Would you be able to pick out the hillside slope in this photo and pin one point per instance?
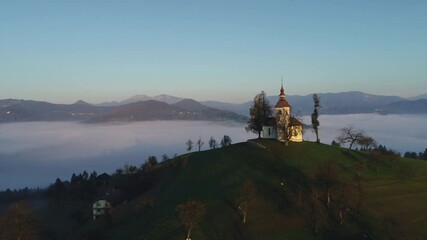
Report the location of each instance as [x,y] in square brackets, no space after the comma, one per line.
[283,207]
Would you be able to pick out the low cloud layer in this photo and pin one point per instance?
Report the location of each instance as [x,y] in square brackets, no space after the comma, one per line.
[35,154]
[399,132]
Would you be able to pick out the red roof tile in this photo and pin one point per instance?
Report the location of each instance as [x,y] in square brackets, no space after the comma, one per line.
[282,103]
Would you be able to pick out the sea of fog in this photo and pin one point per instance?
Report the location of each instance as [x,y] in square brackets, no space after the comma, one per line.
[35,154]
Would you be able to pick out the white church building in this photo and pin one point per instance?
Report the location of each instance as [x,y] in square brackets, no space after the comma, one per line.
[275,127]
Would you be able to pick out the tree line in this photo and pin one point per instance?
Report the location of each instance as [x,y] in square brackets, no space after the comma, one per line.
[225,141]
[414,155]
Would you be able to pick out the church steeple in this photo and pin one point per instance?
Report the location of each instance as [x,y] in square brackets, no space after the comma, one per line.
[282,92]
[282,103]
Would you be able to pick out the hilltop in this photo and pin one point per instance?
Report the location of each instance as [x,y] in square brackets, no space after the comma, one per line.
[288,202]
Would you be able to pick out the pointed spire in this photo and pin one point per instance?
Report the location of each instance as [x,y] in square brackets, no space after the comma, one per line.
[282,91]
[282,103]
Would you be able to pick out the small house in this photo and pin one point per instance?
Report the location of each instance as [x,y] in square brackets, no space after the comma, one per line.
[100,208]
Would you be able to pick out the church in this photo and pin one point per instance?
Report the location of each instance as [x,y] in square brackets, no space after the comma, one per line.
[283,127]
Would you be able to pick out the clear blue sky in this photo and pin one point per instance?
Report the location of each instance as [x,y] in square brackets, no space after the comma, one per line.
[62,51]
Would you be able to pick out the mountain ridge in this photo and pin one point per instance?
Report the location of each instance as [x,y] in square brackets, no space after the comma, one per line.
[352,102]
[142,97]
[348,102]
[12,110]
[331,103]
[421,96]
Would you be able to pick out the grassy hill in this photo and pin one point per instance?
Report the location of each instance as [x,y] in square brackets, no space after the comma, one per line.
[394,196]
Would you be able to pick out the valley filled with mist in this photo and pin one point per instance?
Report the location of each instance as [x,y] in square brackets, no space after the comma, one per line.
[34,154]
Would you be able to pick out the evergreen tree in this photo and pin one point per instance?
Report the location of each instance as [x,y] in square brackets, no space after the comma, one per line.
[423,155]
[226,141]
[410,155]
[315,116]
[212,143]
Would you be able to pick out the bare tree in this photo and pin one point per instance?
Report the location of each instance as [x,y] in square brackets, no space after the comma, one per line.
[259,112]
[341,203]
[366,142]
[284,127]
[200,143]
[189,144]
[315,116]
[212,143]
[190,213]
[327,178]
[315,208]
[247,193]
[350,135]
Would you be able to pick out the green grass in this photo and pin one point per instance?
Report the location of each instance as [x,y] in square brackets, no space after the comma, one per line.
[214,177]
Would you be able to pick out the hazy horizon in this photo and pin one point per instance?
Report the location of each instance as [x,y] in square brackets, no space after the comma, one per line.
[186,97]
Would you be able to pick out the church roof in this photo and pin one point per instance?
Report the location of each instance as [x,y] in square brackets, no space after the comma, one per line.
[295,122]
[282,103]
[271,121]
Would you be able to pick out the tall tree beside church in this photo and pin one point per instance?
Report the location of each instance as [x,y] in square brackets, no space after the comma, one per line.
[284,127]
[315,116]
[259,112]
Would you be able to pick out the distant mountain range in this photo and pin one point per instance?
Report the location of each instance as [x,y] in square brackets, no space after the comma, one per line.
[406,107]
[338,103]
[422,96]
[165,107]
[12,110]
[138,98]
[332,103]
